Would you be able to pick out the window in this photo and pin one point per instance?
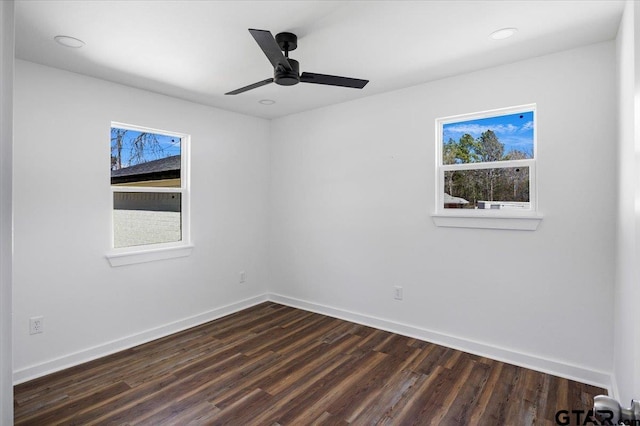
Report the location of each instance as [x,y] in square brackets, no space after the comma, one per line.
[149,177]
[486,165]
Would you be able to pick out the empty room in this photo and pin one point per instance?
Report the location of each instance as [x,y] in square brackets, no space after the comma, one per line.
[320,212]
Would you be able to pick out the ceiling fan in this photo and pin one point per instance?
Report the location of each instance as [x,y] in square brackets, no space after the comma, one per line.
[286,71]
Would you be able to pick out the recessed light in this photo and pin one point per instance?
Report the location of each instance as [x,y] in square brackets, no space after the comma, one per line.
[266,101]
[503,33]
[69,41]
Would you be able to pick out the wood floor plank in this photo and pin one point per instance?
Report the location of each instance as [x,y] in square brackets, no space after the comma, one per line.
[245,409]
[228,386]
[329,392]
[276,365]
[303,382]
[120,402]
[198,414]
[353,400]
[487,391]
[67,410]
[305,366]
[434,404]
[167,396]
[460,409]
[409,408]
[386,402]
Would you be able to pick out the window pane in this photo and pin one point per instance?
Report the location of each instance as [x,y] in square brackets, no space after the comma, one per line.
[498,188]
[505,137]
[144,159]
[146,218]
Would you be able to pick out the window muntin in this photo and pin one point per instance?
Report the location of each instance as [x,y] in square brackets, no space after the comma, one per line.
[486,162]
[149,186]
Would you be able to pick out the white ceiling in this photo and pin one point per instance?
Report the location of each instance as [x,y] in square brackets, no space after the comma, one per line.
[199,50]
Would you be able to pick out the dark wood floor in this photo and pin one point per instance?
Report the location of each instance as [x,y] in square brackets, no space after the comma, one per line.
[273,364]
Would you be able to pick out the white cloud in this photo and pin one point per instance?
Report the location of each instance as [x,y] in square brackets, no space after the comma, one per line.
[475,129]
[527,126]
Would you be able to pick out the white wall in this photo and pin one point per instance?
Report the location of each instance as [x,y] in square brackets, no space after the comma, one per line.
[341,199]
[352,189]
[62,206]
[627,293]
[6,138]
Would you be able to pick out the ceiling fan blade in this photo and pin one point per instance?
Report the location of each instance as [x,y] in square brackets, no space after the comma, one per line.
[332,80]
[270,48]
[251,86]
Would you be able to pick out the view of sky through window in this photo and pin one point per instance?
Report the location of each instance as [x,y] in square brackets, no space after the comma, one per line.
[513,131]
[131,147]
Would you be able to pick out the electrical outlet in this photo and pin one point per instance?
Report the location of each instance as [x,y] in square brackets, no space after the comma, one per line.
[243,276]
[397,292]
[36,325]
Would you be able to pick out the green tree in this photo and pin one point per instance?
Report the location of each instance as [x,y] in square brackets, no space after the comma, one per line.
[449,152]
[449,156]
[516,154]
[489,147]
[467,149]
[461,152]
[516,178]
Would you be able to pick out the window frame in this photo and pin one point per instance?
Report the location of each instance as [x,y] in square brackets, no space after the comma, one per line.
[156,251]
[521,219]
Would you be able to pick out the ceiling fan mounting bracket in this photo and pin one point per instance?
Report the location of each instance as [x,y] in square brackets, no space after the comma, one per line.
[287,41]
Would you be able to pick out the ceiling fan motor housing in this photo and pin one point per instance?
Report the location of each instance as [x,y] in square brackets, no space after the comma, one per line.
[286,77]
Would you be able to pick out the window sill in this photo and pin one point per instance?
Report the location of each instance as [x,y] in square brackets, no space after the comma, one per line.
[515,222]
[148,255]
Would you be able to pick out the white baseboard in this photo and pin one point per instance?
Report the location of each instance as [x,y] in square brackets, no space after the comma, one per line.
[533,362]
[114,346]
